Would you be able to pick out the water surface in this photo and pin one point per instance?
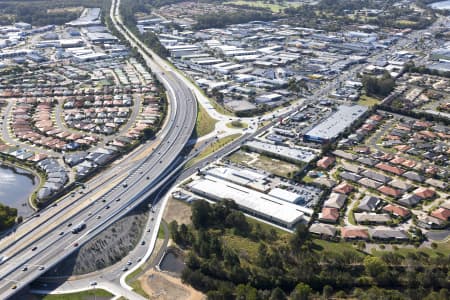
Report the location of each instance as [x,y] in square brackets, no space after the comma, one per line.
[16,186]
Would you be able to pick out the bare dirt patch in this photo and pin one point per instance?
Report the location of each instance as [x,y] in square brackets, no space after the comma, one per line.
[177,211]
[161,286]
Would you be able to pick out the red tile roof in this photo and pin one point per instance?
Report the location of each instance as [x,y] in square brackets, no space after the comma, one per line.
[351,232]
[330,214]
[397,210]
[389,191]
[424,193]
[325,162]
[343,188]
[441,213]
[389,168]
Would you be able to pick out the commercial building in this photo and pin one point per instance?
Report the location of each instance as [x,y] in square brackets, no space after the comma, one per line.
[250,201]
[335,124]
[282,152]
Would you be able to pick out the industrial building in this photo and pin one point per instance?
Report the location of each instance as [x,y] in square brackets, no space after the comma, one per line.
[250,201]
[282,152]
[335,124]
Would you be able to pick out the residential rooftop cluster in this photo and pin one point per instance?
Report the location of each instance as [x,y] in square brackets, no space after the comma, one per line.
[72,98]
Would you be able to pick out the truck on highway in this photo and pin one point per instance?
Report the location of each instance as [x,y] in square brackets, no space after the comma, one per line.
[2,259]
[79,228]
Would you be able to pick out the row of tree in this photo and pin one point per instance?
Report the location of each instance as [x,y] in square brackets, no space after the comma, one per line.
[8,216]
[294,265]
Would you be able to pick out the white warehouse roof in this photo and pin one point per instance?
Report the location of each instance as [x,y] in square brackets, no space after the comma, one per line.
[251,201]
[284,195]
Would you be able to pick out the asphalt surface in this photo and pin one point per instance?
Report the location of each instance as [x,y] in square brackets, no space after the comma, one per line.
[36,254]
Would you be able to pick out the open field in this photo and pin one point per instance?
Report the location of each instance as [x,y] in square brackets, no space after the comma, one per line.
[367,101]
[177,211]
[266,163]
[162,286]
[276,8]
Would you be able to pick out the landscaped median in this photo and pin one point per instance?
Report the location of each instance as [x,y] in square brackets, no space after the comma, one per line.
[85,295]
[236,124]
[211,148]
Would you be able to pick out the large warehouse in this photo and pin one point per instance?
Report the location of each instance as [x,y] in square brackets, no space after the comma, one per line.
[250,201]
[335,124]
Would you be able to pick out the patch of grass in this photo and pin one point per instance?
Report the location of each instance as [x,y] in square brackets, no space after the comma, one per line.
[367,101]
[242,245]
[239,157]
[274,7]
[276,166]
[213,147]
[237,124]
[204,124]
[132,277]
[160,232]
[282,234]
[406,23]
[337,247]
[79,296]
[136,285]
[307,179]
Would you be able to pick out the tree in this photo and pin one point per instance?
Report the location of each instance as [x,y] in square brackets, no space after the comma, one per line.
[148,133]
[277,294]
[201,212]
[374,266]
[301,234]
[246,292]
[301,292]
[237,220]
[7,216]
[378,86]
[327,291]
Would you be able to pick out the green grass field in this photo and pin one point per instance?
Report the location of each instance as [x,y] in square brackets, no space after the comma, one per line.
[274,7]
[86,295]
[205,124]
[367,101]
[212,148]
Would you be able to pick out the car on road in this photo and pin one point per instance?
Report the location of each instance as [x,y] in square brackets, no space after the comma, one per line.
[107,206]
[93,283]
[99,217]
[125,184]
[14,287]
[41,268]
[75,245]
[143,243]
[24,269]
[61,233]
[34,248]
[69,224]
[125,269]
[129,263]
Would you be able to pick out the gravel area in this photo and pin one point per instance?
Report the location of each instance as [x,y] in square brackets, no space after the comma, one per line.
[105,249]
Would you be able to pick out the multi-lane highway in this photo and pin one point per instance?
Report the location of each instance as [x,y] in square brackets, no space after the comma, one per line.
[28,256]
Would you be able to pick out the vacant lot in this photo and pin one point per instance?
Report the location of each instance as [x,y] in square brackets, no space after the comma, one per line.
[266,163]
[177,211]
[164,287]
